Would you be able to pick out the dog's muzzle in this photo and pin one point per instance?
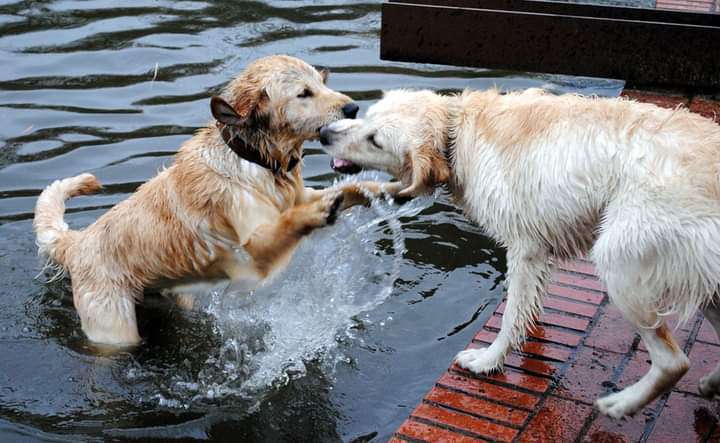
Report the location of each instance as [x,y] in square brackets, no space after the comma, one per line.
[344,166]
[325,134]
[337,164]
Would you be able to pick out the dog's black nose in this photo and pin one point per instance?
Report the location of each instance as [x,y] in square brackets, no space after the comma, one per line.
[325,136]
[350,110]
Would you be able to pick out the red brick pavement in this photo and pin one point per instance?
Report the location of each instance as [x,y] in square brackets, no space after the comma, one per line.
[704,105]
[581,349]
[687,5]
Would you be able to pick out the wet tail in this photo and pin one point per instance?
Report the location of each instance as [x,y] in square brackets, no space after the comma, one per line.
[50,228]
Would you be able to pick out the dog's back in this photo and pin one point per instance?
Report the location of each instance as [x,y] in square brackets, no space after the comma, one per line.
[639,182]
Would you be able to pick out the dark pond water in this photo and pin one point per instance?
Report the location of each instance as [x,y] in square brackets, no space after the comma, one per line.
[114,88]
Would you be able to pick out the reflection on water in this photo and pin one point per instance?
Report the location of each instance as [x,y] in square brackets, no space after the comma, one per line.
[114,89]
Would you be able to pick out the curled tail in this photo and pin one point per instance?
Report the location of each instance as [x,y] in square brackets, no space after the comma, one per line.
[50,228]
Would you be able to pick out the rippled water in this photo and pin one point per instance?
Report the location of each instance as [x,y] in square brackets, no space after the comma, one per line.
[340,346]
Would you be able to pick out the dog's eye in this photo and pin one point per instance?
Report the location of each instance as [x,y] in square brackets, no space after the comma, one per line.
[371,139]
[306,93]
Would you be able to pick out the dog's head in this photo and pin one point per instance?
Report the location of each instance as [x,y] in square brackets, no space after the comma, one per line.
[404,134]
[282,97]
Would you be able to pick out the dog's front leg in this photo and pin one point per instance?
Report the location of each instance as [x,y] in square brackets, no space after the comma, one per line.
[528,271]
[356,193]
[361,193]
[271,245]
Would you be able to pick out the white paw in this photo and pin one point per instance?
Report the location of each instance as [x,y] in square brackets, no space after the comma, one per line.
[707,388]
[479,361]
[619,404]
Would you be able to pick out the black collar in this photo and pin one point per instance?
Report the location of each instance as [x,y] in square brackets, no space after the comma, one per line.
[249,153]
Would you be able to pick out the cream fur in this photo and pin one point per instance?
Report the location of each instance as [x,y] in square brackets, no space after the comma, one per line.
[633,186]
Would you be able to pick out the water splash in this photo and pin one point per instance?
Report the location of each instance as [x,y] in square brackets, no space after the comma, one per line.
[268,334]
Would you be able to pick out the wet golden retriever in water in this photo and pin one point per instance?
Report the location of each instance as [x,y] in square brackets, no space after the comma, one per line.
[232,205]
[634,186]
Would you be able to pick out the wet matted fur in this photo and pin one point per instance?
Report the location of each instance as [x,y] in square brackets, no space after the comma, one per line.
[633,186]
[211,215]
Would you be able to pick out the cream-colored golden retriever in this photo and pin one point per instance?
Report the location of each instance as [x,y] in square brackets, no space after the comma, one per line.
[232,205]
[633,186]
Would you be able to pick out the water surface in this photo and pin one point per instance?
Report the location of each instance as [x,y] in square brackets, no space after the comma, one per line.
[340,347]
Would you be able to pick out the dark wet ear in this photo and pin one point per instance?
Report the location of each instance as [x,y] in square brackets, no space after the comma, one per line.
[248,102]
[425,168]
[224,113]
[325,74]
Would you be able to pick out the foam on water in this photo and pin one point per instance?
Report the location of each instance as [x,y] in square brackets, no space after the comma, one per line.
[268,334]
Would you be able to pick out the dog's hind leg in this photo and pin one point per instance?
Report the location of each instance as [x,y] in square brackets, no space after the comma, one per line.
[528,271]
[669,363]
[638,256]
[107,317]
[709,385]
[182,299]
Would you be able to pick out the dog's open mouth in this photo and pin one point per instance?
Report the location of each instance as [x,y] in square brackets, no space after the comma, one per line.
[344,166]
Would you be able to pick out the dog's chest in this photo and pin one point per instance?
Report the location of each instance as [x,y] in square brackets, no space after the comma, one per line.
[482,187]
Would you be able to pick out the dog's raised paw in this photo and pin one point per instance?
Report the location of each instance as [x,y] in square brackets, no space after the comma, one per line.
[479,361]
[322,212]
[332,212]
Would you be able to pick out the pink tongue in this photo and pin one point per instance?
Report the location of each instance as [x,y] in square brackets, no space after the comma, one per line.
[340,163]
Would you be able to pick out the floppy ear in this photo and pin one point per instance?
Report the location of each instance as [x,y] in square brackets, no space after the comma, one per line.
[324,73]
[246,104]
[428,168]
[224,113]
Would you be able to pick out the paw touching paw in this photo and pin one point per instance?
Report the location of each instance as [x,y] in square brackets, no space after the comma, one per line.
[324,211]
[333,209]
